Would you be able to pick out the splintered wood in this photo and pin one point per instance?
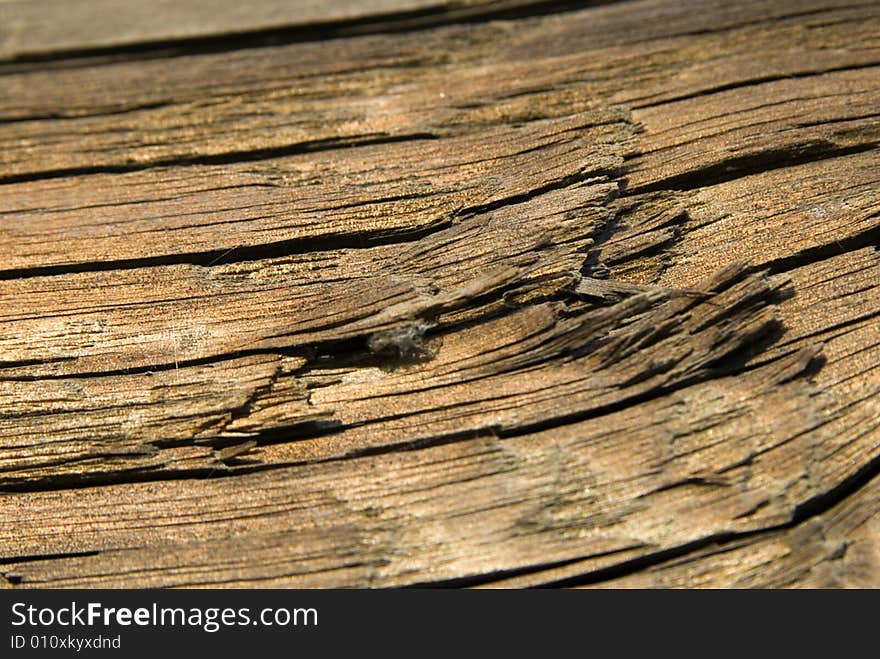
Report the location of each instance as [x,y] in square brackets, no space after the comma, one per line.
[495,294]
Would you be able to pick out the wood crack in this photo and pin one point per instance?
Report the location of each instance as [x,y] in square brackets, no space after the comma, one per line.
[287,310]
[249,155]
[766,161]
[741,84]
[390,23]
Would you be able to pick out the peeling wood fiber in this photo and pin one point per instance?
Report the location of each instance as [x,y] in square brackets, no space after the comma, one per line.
[498,294]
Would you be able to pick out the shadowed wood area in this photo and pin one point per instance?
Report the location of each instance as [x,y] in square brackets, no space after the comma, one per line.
[417,292]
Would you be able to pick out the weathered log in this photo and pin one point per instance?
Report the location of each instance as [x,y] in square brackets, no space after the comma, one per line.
[500,294]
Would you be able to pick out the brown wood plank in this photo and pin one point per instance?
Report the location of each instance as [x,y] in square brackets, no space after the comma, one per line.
[835,550]
[132,114]
[733,454]
[355,197]
[492,294]
[30,29]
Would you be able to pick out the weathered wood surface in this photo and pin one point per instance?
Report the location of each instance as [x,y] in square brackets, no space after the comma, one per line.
[515,294]
[30,29]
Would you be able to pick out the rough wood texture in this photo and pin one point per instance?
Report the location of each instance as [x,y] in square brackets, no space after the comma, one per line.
[30,29]
[481,293]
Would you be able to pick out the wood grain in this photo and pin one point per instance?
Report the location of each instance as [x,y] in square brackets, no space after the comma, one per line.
[30,30]
[495,294]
